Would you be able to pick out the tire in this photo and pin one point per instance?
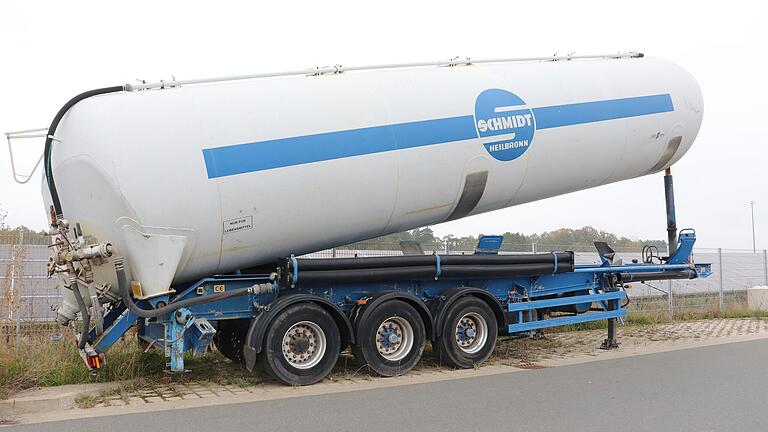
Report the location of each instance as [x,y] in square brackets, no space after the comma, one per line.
[454,347]
[395,356]
[230,338]
[301,345]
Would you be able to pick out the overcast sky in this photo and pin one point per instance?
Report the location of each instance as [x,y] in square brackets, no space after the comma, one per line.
[50,51]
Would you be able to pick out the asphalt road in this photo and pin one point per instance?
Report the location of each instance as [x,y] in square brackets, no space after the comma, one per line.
[716,388]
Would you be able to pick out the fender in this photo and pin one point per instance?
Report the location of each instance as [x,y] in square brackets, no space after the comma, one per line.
[260,323]
[361,313]
[452,295]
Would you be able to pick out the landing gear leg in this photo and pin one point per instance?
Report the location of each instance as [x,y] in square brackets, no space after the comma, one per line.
[611,342]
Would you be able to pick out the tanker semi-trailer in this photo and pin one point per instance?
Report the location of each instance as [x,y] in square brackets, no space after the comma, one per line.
[163,196]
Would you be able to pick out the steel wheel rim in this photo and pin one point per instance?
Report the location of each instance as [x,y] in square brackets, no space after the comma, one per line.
[394,350]
[304,345]
[471,332]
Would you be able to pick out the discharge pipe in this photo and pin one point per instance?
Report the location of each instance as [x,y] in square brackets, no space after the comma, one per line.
[669,195]
[657,276]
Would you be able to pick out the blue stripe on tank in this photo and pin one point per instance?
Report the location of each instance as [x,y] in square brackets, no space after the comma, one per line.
[284,152]
[590,112]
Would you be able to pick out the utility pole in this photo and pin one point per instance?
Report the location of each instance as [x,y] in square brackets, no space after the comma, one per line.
[752,206]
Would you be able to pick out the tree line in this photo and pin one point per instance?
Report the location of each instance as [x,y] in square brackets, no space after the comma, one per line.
[10,234]
[581,239]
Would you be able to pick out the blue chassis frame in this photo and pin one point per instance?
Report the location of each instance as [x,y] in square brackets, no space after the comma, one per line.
[527,298]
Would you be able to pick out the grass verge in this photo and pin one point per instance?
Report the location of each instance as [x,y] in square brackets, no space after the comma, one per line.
[39,362]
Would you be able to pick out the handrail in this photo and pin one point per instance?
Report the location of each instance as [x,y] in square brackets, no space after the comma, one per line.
[339,69]
[24,134]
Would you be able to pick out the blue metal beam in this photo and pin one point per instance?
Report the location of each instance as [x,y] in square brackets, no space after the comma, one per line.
[566,320]
[564,301]
[111,335]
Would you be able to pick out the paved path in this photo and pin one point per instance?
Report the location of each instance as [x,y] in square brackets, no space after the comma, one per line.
[714,388]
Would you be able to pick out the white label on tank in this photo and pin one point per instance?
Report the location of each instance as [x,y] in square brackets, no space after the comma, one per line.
[239,224]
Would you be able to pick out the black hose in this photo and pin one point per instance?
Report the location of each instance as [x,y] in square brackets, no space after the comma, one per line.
[125,292]
[84,312]
[499,271]
[365,275]
[52,131]
[424,273]
[563,259]
[312,264]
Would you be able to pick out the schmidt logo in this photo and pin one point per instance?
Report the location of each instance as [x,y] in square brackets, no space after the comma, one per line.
[504,118]
[503,123]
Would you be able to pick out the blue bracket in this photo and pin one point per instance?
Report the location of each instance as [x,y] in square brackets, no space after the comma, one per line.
[703,270]
[554,254]
[184,332]
[198,336]
[116,330]
[295,264]
[179,322]
[685,241]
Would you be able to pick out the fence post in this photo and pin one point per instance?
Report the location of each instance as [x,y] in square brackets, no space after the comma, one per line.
[533,247]
[19,274]
[447,248]
[765,266]
[18,331]
[720,273]
[670,306]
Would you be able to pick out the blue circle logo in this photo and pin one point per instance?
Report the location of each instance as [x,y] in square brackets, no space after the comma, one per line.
[509,125]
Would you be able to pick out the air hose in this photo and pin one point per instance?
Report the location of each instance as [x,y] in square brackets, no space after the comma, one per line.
[83,311]
[125,292]
[52,131]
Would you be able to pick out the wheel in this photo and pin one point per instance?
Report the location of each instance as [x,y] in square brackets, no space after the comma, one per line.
[301,345]
[468,334]
[230,338]
[391,340]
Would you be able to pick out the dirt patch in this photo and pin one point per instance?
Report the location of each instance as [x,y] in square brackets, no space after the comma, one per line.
[532,366]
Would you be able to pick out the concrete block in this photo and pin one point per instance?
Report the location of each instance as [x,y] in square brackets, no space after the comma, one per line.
[757,298]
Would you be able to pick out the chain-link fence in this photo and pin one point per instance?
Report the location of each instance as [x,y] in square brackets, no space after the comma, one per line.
[27,295]
[733,271]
